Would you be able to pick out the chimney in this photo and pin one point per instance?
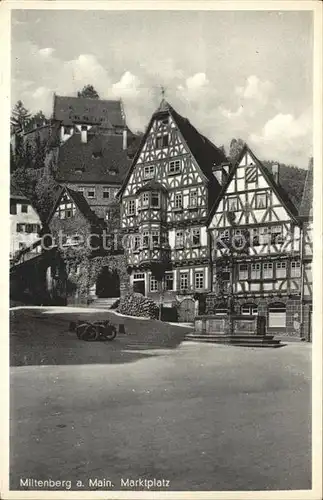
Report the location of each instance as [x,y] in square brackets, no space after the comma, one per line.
[275,172]
[124,137]
[84,134]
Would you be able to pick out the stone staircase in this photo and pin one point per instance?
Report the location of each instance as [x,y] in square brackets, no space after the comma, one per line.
[236,340]
[103,303]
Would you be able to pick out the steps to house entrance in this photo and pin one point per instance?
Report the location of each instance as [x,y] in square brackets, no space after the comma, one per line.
[103,303]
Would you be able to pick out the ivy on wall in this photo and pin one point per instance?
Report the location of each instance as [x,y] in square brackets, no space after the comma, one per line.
[83,269]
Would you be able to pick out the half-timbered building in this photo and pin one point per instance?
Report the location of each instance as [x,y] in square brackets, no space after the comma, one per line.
[165,201]
[256,247]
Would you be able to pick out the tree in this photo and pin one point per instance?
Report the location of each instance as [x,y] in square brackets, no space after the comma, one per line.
[20,117]
[236,147]
[37,120]
[88,91]
[46,192]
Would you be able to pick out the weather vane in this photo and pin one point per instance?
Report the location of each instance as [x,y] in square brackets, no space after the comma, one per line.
[163,91]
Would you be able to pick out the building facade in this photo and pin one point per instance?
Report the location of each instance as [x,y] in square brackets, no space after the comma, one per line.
[25,223]
[92,149]
[257,248]
[165,201]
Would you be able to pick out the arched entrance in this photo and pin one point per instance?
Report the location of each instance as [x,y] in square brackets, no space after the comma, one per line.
[108,283]
[186,311]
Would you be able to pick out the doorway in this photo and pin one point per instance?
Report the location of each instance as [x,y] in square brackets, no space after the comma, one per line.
[108,283]
[139,283]
[186,312]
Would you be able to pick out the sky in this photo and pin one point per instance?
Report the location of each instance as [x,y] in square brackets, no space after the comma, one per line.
[242,74]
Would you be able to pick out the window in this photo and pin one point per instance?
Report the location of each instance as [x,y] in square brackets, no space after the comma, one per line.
[145,239]
[24,209]
[255,271]
[277,315]
[249,309]
[261,200]
[264,236]
[20,228]
[174,167]
[267,269]
[155,238]
[221,309]
[22,246]
[131,207]
[106,193]
[199,280]
[145,199]
[138,276]
[193,198]
[13,209]
[295,269]
[163,121]
[178,200]
[280,269]
[232,203]
[161,141]
[91,192]
[276,235]
[243,271]
[81,189]
[196,236]
[107,214]
[169,281]
[179,239]
[183,282]
[255,236]
[153,284]
[155,199]
[136,242]
[149,171]
[225,273]
[67,130]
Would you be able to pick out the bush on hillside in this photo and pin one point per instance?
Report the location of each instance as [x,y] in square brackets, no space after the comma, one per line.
[135,304]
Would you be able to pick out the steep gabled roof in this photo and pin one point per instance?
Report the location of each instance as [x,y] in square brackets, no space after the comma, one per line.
[100,159]
[106,113]
[280,192]
[80,203]
[307,197]
[204,151]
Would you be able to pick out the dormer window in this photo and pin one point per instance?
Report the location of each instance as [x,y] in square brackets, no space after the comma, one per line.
[162,141]
[67,130]
[97,154]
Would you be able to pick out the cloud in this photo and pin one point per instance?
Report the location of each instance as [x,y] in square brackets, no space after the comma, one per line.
[47,52]
[255,90]
[286,136]
[197,81]
[127,87]
[231,114]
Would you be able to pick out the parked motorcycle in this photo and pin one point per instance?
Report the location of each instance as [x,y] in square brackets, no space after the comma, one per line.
[96,331]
